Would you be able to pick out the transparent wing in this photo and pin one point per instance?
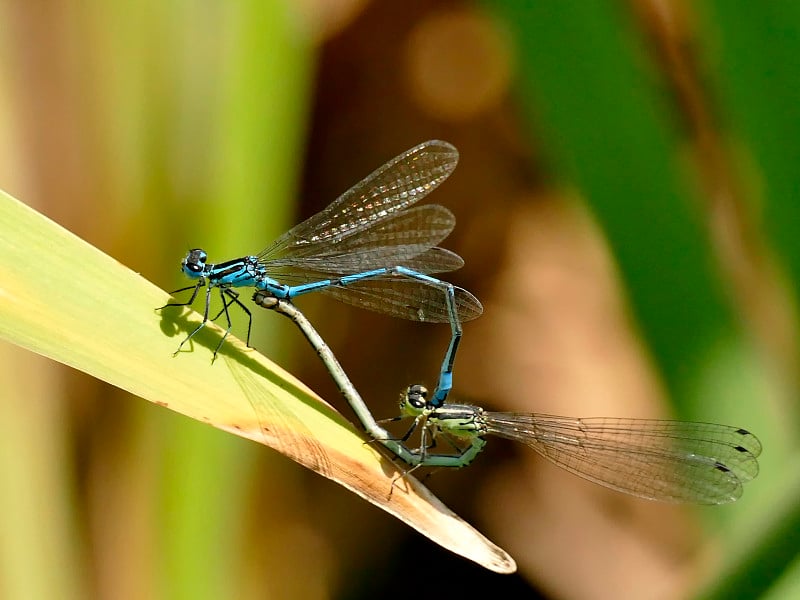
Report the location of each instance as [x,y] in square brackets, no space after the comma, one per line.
[393,187]
[406,299]
[672,461]
[395,241]
[434,260]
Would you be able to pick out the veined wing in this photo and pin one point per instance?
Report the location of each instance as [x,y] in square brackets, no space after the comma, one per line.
[407,299]
[672,461]
[401,182]
[434,260]
[395,241]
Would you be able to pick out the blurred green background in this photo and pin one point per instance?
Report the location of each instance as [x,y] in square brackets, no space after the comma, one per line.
[627,201]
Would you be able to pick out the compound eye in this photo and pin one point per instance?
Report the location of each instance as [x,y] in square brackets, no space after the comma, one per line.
[417,395]
[195,261]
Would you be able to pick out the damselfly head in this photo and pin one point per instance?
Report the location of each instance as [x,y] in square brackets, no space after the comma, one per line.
[195,262]
[415,397]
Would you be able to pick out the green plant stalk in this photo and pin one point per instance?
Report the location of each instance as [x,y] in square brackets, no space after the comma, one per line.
[252,124]
[64,299]
[607,131]
[41,551]
[756,54]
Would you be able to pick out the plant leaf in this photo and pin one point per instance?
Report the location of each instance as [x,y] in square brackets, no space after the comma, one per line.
[64,299]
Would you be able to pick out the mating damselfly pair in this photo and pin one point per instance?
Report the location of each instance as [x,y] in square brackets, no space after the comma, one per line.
[372,248]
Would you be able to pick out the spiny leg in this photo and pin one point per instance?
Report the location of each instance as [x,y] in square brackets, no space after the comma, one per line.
[195,289]
[203,324]
[225,305]
[423,450]
[232,298]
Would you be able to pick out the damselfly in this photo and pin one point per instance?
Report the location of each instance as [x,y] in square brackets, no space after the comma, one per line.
[670,461]
[369,248]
